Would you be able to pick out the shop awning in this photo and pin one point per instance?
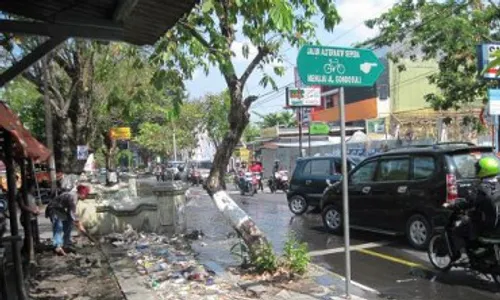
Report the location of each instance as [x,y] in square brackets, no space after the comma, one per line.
[25,146]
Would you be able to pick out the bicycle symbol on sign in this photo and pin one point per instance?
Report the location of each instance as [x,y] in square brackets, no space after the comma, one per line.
[333,66]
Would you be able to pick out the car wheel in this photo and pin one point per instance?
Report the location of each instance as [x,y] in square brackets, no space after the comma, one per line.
[332,219]
[298,205]
[418,232]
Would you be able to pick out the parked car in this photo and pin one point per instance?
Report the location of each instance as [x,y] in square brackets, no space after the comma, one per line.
[309,180]
[402,191]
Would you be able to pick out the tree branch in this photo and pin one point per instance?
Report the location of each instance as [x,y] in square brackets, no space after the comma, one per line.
[198,36]
[70,71]
[249,100]
[262,52]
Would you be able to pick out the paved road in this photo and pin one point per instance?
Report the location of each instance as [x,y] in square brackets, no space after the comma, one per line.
[383,263]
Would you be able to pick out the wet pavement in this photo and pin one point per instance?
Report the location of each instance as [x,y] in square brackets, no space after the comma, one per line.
[382,263]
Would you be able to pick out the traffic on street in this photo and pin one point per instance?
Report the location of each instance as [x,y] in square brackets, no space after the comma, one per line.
[381,263]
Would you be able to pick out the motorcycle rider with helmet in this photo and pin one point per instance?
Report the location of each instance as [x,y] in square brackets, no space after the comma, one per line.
[483,204]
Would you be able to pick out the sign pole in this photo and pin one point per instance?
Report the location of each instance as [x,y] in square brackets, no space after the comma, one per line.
[345,198]
[309,137]
[300,131]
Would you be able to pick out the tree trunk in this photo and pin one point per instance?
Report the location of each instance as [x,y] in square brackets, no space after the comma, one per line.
[240,221]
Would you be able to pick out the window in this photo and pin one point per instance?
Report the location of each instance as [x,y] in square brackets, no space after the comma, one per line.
[364,173]
[423,167]
[465,163]
[317,167]
[393,170]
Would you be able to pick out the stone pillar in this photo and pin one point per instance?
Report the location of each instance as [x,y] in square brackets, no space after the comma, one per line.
[171,197]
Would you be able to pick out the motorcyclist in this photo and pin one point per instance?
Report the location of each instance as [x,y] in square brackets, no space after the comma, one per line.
[257,168]
[483,205]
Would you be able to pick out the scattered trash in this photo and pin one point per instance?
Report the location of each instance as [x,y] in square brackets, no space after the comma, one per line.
[195,235]
[167,265]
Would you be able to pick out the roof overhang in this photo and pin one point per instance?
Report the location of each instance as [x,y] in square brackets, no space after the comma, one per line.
[25,145]
[139,22]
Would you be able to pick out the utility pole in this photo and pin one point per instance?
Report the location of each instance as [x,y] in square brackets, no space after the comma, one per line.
[49,132]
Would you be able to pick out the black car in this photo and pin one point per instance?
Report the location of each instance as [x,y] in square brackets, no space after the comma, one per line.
[309,180]
[402,191]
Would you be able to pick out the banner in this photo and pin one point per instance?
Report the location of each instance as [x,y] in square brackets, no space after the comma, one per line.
[121,133]
[298,97]
[82,152]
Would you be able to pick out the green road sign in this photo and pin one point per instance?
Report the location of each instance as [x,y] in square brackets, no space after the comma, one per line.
[319,128]
[319,65]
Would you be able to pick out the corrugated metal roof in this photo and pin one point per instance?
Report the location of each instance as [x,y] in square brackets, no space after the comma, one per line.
[146,23]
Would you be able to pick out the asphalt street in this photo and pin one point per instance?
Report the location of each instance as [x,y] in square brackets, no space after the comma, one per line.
[382,263]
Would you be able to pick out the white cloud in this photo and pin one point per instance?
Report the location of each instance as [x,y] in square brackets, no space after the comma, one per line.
[354,13]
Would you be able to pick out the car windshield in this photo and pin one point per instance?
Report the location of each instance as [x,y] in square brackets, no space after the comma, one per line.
[465,162]
[205,165]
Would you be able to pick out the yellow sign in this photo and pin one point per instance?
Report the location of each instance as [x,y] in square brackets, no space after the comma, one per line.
[121,133]
[270,132]
[244,154]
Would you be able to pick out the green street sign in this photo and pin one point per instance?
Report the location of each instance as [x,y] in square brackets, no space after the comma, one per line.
[319,128]
[319,65]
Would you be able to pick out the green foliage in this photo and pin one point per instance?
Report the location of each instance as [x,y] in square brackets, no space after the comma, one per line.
[24,99]
[157,136]
[251,133]
[216,109]
[124,155]
[284,119]
[296,255]
[206,35]
[265,260]
[445,31]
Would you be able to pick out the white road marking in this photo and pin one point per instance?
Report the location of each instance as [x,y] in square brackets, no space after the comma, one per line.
[355,283]
[352,248]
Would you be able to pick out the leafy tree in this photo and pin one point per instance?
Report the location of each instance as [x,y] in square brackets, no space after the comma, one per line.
[92,87]
[251,132]
[283,119]
[23,98]
[445,31]
[217,109]
[158,137]
[205,38]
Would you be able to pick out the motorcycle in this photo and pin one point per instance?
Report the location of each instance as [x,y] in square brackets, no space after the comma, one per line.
[279,182]
[483,256]
[195,178]
[248,183]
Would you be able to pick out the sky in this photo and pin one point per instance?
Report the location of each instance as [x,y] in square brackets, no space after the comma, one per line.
[349,31]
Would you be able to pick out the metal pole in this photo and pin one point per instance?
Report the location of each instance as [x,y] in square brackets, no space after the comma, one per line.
[14,229]
[497,134]
[34,225]
[28,233]
[49,132]
[300,131]
[309,137]
[345,195]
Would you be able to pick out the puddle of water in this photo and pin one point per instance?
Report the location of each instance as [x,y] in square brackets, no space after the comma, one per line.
[324,280]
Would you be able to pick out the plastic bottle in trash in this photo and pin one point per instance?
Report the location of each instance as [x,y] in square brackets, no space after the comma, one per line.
[154,284]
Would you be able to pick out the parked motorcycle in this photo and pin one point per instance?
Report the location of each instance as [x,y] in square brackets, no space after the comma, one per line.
[248,183]
[483,256]
[278,182]
[195,178]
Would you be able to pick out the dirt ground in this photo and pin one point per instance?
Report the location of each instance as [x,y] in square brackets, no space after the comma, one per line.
[85,274]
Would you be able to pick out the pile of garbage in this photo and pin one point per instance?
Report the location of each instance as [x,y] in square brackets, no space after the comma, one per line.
[167,265]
